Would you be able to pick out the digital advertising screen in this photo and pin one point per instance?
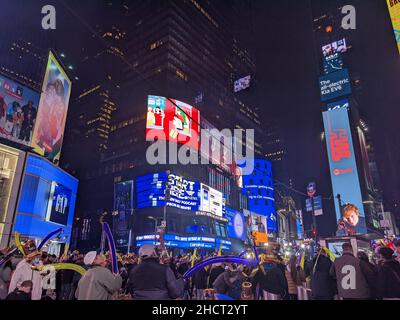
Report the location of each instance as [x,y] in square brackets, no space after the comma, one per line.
[241,84]
[18,110]
[336,247]
[334,47]
[59,202]
[236,224]
[342,163]
[172,121]
[344,103]
[335,85]
[52,112]
[211,200]
[332,63]
[394,10]
[256,227]
[123,206]
[47,200]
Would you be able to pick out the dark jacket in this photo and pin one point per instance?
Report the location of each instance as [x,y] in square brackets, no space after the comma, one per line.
[214,273]
[151,280]
[353,277]
[322,284]
[389,280]
[227,283]
[271,279]
[200,279]
[18,295]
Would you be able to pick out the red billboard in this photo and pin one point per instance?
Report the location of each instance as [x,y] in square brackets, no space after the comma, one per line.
[172,120]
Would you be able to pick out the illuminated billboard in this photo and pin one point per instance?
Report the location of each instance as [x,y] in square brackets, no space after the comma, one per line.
[342,163]
[332,63]
[211,200]
[172,120]
[150,191]
[47,200]
[236,224]
[242,83]
[394,10]
[123,206]
[256,227]
[344,103]
[52,112]
[18,109]
[334,47]
[335,85]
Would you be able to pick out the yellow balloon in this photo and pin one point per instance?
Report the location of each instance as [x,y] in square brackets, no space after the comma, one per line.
[68,266]
[18,243]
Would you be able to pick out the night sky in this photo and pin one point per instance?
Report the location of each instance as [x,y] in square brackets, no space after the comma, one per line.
[287,76]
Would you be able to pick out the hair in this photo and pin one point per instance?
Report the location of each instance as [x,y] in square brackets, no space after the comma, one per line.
[27,284]
[362,256]
[348,208]
[347,246]
[386,253]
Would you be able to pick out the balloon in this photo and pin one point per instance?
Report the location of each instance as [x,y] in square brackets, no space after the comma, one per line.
[111,245]
[65,266]
[48,237]
[18,243]
[7,256]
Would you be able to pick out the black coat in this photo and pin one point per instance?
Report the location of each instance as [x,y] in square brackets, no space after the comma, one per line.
[214,273]
[273,280]
[18,295]
[389,280]
[322,284]
[200,279]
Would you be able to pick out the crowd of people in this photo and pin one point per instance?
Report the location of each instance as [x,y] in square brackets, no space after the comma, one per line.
[156,275]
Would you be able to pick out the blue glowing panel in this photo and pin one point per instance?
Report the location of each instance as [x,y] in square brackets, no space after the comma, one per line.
[342,163]
[236,224]
[335,85]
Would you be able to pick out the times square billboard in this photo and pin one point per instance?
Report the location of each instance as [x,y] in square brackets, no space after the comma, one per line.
[342,163]
[172,120]
[334,85]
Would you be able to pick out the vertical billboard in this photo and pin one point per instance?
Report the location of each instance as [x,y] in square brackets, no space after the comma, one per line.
[123,205]
[18,109]
[172,120]
[211,200]
[342,163]
[52,112]
[236,224]
[47,200]
[394,10]
[334,85]
[256,227]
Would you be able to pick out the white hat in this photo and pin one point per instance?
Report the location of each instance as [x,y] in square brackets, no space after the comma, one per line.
[147,251]
[90,257]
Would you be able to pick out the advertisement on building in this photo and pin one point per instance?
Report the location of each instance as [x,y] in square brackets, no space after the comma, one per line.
[335,85]
[259,188]
[11,167]
[256,227]
[47,200]
[344,103]
[365,159]
[123,206]
[334,47]
[183,193]
[172,120]
[332,63]
[394,10]
[342,163]
[52,112]
[18,109]
[236,224]
[211,200]
[241,84]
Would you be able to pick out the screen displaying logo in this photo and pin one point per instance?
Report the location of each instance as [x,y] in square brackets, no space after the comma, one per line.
[332,63]
[342,162]
[337,105]
[335,85]
[59,203]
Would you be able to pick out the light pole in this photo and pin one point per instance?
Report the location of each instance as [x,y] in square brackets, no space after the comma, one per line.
[164,223]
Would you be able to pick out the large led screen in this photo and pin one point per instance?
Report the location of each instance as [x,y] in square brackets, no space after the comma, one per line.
[47,200]
[123,206]
[394,10]
[172,120]
[18,110]
[52,113]
[335,85]
[236,224]
[211,200]
[342,163]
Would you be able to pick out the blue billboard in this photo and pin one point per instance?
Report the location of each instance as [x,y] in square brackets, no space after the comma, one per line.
[342,163]
[259,188]
[334,85]
[47,200]
[236,224]
[183,193]
[333,63]
[344,103]
[123,205]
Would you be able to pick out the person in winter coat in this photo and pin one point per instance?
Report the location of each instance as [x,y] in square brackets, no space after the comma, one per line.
[215,271]
[151,280]
[353,277]
[227,283]
[5,277]
[294,276]
[200,282]
[388,275]
[23,292]
[323,285]
[98,283]
[373,271]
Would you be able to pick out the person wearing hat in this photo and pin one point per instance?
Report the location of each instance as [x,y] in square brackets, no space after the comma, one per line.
[25,271]
[150,280]
[98,283]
